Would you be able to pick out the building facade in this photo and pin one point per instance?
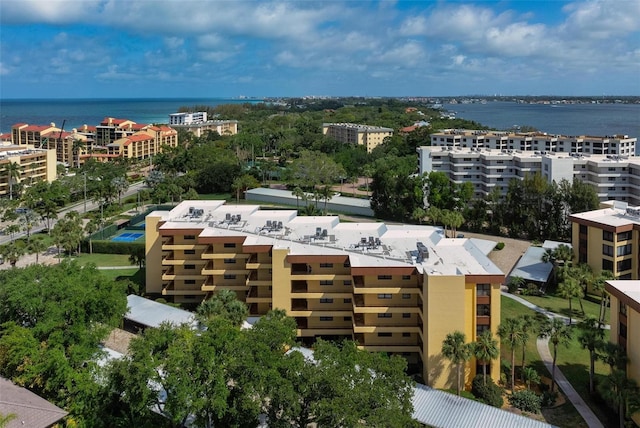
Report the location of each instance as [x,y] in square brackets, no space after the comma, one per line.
[187,118]
[611,176]
[145,143]
[199,128]
[620,145]
[51,137]
[625,325]
[34,165]
[392,288]
[362,135]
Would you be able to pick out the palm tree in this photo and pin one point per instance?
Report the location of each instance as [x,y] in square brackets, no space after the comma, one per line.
[299,194]
[5,419]
[558,334]
[619,390]
[367,171]
[326,194]
[90,228]
[559,257]
[590,337]
[28,220]
[12,252]
[12,229]
[613,355]
[457,351]
[485,349]
[223,304]
[528,324]
[515,282]
[599,287]
[511,333]
[13,170]
[568,289]
[76,148]
[529,376]
[120,185]
[37,246]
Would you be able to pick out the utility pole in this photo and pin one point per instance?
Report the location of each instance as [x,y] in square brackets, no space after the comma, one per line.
[84,173]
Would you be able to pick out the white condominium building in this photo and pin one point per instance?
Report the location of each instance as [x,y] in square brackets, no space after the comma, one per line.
[352,133]
[187,118]
[613,177]
[535,141]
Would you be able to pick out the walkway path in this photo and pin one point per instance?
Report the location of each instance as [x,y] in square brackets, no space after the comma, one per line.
[545,354]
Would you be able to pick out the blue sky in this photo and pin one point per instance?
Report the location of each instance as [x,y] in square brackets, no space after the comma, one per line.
[199,48]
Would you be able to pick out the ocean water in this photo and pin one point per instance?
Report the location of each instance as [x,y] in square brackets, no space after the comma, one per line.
[564,119]
[78,112]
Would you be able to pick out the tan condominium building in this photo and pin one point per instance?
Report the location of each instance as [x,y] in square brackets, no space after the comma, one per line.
[535,141]
[612,176]
[145,143]
[52,138]
[362,135]
[34,165]
[393,288]
[625,325]
[198,124]
[112,129]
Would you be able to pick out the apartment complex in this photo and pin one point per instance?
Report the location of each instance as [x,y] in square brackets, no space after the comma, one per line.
[625,324]
[112,129]
[197,124]
[145,143]
[362,135]
[612,176]
[620,145]
[49,137]
[392,288]
[34,165]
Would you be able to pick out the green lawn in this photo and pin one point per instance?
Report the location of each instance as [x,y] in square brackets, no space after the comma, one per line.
[573,361]
[105,260]
[561,306]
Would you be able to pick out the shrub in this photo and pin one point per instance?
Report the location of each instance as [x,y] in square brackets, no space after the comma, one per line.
[549,398]
[512,287]
[526,401]
[499,246]
[490,393]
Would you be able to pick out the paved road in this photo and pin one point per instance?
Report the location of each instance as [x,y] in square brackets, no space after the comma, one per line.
[78,207]
[545,354]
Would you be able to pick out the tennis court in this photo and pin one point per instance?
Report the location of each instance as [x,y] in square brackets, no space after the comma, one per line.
[127,237]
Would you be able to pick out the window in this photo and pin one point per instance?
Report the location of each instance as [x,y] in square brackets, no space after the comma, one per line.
[607,236]
[189,267]
[190,297]
[406,295]
[406,277]
[607,250]
[483,310]
[623,265]
[229,276]
[384,277]
[186,252]
[607,265]
[347,300]
[347,264]
[347,282]
[624,250]
[583,229]
[624,236]
[384,334]
[384,296]
[326,282]
[483,289]
[189,282]
[229,245]
[346,319]
[480,329]
[326,265]
[385,315]
[326,318]
[189,237]
[406,315]
[623,309]
[623,330]
[229,261]
[405,334]
[326,300]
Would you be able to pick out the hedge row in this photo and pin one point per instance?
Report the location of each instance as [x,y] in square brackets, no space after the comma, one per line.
[113,247]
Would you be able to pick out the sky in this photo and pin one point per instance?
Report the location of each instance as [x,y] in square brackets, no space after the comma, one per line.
[232,48]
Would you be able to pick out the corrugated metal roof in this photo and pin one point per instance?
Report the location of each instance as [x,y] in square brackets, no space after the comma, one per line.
[531,267]
[443,410]
[152,314]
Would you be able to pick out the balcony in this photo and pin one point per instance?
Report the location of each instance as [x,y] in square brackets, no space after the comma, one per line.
[209,285]
[231,269]
[252,280]
[254,262]
[359,307]
[255,296]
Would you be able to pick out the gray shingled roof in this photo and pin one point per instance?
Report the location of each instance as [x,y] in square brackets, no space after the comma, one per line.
[444,410]
[31,410]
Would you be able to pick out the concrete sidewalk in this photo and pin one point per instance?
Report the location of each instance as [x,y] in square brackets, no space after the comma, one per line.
[545,354]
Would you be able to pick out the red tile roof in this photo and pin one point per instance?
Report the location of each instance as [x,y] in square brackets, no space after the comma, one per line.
[37,128]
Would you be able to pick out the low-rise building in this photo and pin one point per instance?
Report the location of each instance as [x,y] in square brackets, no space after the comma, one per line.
[625,325]
[187,118]
[611,176]
[34,165]
[362,135]
[198,124]
[145,143]
[392,288]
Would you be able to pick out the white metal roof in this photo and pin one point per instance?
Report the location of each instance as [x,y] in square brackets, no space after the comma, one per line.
[151,314]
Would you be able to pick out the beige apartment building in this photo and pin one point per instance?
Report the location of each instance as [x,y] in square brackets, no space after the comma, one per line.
[35,165]
[612,176]
[392,288]
[362,135]
[145,143]
[50,137]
